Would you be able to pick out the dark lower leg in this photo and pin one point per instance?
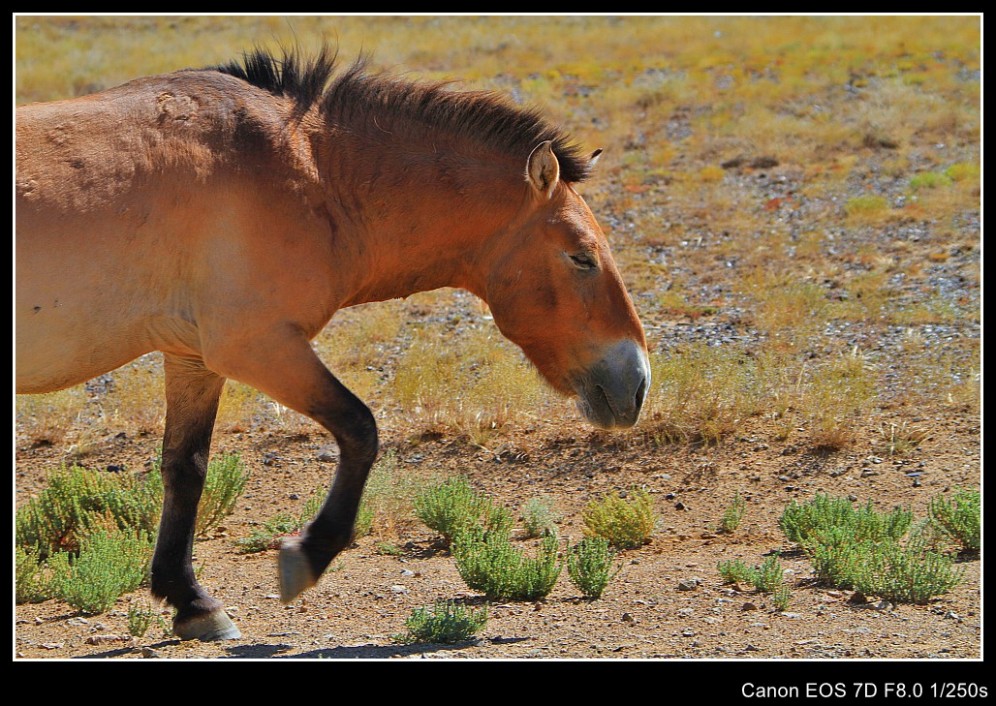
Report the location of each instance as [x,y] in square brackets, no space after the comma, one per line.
[192,394]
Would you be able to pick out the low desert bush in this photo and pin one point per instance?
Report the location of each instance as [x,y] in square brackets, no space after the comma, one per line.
[959,518]
[109,565]
[589,566]
[452,507]
[445,623]
[488,562]
[626,520]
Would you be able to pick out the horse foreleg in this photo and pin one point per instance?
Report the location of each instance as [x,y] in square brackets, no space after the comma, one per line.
[291,373]
[192,394]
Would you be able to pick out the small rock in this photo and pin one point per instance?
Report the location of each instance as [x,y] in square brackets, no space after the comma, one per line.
[688,632]
[852,497]
[101,639]
[150,653]
[679,505]
[628,618]
[272,596]
[398,588]
[326,456]
[751,648]
[748,606]
[791,615]
[53,645]
[77,621]
[407,572]
[688,584]
[293,496]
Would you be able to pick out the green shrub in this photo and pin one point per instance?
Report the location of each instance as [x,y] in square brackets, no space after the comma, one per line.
[538,518]
[268,535]
[906,573]
[766,578]
[30,583]
[627,522]
[488,562]
[735,571]
[733,515]
[869,551]
[959,518]
[447,622]
[781,598]
[589,566]
[451,507]
[139,619]
[77,502]
[804,523]
[226,479]
[109,565]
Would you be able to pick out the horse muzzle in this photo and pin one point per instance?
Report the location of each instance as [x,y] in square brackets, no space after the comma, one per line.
[611,392]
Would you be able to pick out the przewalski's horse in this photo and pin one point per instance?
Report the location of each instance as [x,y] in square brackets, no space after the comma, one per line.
[222,216]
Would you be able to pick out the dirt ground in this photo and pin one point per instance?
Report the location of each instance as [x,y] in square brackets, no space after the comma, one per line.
[668,603]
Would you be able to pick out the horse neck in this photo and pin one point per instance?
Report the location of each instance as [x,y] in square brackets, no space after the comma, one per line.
[426,220]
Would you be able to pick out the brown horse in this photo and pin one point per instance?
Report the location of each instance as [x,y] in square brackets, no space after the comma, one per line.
[222,216]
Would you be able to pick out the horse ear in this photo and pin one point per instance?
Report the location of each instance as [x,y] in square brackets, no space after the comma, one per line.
[543,169]
[594,157]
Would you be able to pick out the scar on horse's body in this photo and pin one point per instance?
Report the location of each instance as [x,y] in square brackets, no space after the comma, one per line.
[222,216]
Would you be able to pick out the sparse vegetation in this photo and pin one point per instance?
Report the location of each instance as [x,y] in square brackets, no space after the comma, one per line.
[590,566]
[452,507]
[445,623]
[734,514]
[765,578]
[538,518]
[869,551]
[109,564]
[488,562]
[959,518]
[225,481]
[626,520]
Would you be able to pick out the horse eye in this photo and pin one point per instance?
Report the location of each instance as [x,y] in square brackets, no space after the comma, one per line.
[583,261]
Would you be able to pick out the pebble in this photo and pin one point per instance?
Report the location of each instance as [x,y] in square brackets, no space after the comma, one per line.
[748,606]
[628,618]
[326,456]
[150,653]
[101,639]
[53,645]
[407,572]
[688,584]
[398,588]
[77,621]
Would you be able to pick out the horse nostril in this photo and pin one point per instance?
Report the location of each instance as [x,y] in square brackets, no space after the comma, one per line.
[641,393]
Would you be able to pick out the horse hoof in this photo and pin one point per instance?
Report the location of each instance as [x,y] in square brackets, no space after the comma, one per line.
[215,625]
[296,575]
